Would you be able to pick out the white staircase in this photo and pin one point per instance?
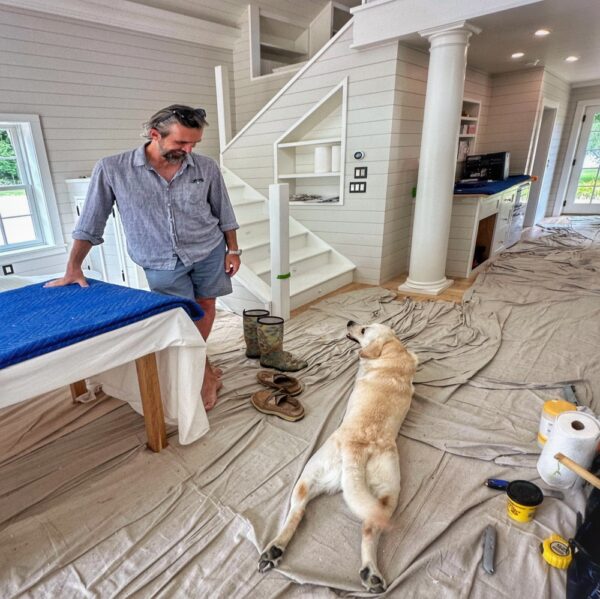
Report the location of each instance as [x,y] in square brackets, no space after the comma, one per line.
[316,268]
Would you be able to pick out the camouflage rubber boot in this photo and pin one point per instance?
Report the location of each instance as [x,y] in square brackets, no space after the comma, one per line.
[250,336]
[270,341]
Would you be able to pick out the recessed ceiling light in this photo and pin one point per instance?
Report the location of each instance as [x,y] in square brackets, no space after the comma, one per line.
[542,32]
[572,58]
[517,55]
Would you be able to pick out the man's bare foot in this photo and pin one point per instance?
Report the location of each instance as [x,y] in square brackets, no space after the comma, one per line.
[214,369]
[210,388]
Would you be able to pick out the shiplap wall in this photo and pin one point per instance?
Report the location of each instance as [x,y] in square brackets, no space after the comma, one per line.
[93,87]
[356,228]
[510,124]
[577,94]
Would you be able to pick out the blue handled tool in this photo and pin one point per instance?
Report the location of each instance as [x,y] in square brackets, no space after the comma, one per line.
[497,483]
[501,485]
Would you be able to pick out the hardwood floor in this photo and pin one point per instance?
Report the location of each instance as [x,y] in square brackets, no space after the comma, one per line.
[452,294]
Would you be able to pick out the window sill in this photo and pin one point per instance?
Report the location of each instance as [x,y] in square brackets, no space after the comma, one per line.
[25,254]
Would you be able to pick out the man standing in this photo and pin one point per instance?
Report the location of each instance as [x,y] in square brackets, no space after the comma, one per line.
[178,220]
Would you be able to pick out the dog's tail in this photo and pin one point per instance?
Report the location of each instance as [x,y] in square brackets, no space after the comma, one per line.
[359,498]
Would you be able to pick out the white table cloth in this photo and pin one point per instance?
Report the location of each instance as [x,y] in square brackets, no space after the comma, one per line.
[109,359]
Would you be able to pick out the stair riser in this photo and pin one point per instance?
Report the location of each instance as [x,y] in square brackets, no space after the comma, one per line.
[264,251]
[246,212]
[250,233]
[309,295]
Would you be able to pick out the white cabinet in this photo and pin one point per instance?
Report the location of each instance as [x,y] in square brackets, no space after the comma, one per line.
[506,202]
[482,226]
[310,156]
[109,258]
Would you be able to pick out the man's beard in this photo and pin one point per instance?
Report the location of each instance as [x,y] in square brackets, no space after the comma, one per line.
[174,156]
[171,156]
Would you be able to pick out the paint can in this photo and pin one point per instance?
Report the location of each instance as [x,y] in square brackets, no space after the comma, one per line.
[524,497]
[550,412]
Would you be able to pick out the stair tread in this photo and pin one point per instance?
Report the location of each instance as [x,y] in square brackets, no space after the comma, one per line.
[246,202]
[262,266]
[306,280]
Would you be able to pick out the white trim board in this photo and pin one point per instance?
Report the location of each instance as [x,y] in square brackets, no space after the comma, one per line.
[567,166]
[137,17]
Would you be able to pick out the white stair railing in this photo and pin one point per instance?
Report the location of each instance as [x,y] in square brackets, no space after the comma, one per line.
[279,221]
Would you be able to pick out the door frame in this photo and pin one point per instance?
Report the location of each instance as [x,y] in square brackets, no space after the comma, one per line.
[577,168]
[567,167]
[540,162]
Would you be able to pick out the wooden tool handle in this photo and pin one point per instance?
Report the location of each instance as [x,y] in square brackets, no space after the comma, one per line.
[575,467]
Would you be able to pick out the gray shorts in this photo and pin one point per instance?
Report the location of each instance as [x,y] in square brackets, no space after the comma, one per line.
[204,279]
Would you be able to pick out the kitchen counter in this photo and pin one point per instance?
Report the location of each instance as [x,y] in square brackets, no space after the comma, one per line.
[486,219]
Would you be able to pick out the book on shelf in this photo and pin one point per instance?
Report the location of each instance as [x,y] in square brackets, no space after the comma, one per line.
[308,198]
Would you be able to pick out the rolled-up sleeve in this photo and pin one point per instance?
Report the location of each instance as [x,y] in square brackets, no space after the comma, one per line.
[219,201]
[96,210]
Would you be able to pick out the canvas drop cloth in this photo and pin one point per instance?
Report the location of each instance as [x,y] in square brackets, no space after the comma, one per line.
[86,511]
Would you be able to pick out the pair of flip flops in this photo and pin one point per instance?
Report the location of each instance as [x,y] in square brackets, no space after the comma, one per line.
[279,399]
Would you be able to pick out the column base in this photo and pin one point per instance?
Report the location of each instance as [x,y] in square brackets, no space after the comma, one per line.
[433,288]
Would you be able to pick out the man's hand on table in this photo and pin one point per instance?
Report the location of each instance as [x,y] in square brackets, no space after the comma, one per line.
[71,276]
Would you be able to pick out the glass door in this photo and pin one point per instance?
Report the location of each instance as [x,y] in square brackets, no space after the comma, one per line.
[583,193]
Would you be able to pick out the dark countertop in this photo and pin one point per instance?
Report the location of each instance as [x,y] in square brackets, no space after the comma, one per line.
[489,187]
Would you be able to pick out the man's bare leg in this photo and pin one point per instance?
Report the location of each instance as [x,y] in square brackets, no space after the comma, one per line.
[212,382]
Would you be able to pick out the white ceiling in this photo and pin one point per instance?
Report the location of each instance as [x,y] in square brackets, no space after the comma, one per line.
[574,27]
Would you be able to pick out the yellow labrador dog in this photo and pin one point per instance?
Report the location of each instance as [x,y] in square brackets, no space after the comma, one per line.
[360,457]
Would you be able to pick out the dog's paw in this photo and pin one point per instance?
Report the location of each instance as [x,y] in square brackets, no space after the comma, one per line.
[372,580]
[270,558]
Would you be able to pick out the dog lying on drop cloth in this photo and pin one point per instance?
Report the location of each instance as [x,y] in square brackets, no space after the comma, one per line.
[360,458]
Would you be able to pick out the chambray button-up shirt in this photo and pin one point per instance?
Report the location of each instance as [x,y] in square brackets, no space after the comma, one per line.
[163,220]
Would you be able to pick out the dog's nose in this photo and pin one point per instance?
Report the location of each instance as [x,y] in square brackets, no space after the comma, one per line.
[350,323]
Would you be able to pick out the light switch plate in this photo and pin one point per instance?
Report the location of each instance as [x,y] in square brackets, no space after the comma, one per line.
[360,172]
[8,269]
[358,187]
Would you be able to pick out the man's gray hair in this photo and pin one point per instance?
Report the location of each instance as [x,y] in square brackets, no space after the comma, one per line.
[193,118]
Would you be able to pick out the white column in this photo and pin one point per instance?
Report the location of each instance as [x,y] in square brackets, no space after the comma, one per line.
[279,216]
[437,162]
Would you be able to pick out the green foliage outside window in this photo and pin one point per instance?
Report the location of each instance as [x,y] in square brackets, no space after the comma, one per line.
[8,163]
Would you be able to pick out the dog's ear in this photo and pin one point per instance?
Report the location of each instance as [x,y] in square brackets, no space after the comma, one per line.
[373,350]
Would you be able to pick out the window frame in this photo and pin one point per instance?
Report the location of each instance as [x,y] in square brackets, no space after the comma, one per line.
[36,179]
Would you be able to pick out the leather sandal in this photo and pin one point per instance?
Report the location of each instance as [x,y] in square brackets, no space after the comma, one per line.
[278,403]
[276,380]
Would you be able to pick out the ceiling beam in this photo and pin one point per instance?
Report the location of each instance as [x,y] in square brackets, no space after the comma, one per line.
[137,17]
[381,21]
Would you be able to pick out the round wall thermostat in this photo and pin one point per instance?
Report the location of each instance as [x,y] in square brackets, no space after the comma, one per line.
[359,155]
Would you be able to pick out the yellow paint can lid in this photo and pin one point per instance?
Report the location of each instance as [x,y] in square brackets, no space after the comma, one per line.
[554,407]
[557,551]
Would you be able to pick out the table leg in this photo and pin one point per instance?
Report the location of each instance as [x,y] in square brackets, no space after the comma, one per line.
[151,402]
[78,388]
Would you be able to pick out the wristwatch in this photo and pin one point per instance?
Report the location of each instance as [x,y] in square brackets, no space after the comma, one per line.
[235,252]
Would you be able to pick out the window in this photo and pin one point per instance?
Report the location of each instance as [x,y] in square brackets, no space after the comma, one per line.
[28,215]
